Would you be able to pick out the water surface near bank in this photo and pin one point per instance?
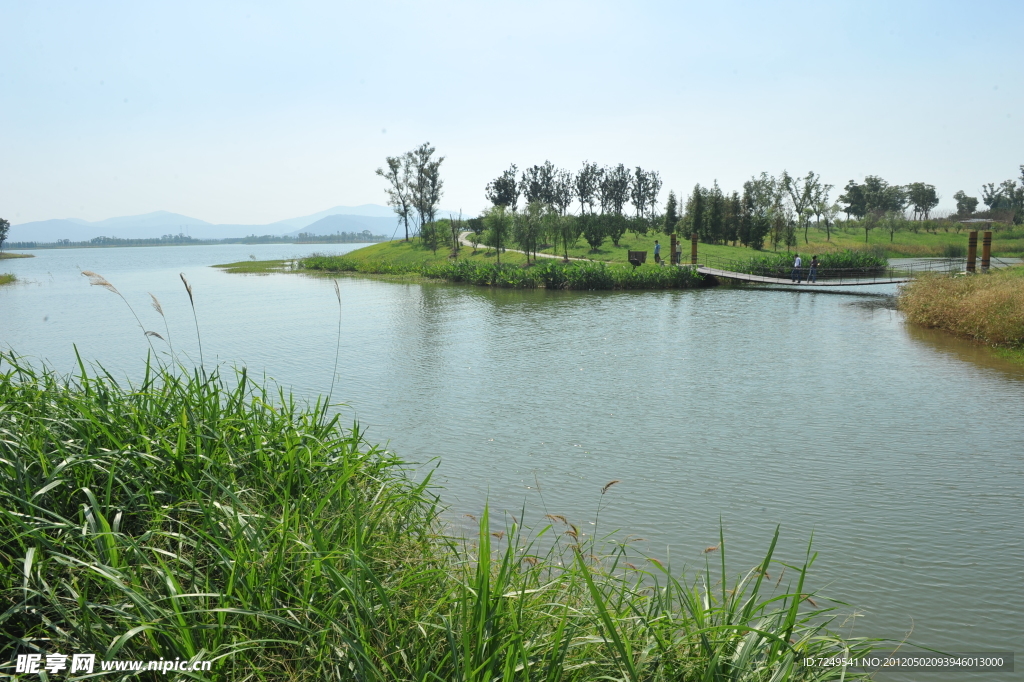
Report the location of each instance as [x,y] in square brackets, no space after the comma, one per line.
[900,449]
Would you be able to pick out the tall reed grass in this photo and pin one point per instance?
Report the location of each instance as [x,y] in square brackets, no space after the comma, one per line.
[196,517]
[985,307]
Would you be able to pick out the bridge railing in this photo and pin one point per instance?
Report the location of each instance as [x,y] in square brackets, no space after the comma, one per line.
[867,274]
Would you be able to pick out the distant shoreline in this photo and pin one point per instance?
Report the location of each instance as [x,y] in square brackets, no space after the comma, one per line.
[212,242]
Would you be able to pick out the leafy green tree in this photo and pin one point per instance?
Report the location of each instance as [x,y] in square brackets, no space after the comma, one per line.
[504,190]
[965,205]
[426,183]
[614,188]
[399,177]
[538,182]
[762,196]
[562,191]
[565,230]
[498,221]
[855,200]
[5,228]
[671,214]
[713,215]
[695,212]
[593,229]
[615,225]
[733,215]
[587,184]
[528,226]
[880,196]
[892,222]
[801,193]
[923,198]
[476,227]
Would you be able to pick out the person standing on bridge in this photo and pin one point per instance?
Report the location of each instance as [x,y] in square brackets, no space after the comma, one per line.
[657,251]
[679,252]
[812,274]
[797,275]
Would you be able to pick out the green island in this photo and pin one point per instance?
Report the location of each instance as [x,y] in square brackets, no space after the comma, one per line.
[7,278]
[226,521]
[4,256]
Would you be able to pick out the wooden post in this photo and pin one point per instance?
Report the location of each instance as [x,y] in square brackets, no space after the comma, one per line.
[972,250]
[986,250]
[672,251]
[693,248]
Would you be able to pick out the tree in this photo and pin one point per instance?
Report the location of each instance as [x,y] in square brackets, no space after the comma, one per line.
[923,198]
[733,214]
[854,199]
[528,226]
[476,226]
[537,183]
[593,230]
[892,221]
[399,177]
[587,184]
[819,205]
[644,192]
[503,190]
[965,205]
[802,192]
[5,228]
[426,182]
[761,197]
[498,221]
[565,230]
[562,191]
[882,197]
[695,212]
[615,185]
[671,214]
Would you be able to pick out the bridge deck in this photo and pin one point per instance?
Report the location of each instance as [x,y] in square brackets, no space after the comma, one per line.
[704,270]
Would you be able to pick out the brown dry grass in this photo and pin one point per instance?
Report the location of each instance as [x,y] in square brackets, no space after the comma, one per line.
[988,308]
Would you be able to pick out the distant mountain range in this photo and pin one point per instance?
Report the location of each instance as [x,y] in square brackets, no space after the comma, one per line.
[376,219]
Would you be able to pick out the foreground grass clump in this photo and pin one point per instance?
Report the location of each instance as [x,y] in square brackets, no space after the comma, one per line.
[183,517]
[988,308]
[6,278]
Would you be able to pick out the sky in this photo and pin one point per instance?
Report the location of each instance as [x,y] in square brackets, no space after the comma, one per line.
[252,112]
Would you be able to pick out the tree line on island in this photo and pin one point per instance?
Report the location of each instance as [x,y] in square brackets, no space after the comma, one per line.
[544,206]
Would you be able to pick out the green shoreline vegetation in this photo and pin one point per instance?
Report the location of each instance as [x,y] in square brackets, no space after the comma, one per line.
[189,516]
[988,308]
[7,278]
[8,254]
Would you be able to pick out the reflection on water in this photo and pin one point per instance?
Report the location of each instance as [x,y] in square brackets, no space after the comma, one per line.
[820,412]
[965,350]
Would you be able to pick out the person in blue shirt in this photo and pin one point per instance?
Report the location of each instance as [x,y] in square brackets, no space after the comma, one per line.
[657,251]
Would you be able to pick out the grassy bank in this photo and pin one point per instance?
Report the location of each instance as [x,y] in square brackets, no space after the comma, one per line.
[8,254]
[189,517]
[905,244]
[7,278]
[549,273]
[985,307]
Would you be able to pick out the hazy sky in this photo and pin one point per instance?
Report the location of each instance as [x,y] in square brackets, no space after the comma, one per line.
[254,112]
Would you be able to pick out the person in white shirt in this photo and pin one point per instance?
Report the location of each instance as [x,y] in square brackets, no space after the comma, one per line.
[797,274]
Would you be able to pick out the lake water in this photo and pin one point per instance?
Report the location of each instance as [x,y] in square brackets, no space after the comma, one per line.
[900,449]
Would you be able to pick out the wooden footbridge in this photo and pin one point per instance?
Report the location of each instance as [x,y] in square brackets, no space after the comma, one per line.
[824,277]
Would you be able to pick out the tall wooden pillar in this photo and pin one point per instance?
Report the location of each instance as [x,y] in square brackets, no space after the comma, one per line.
[693,248]
[972,250]
[986,250]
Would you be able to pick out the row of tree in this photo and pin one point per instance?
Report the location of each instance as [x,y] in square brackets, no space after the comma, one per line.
[594,188]
[561,206]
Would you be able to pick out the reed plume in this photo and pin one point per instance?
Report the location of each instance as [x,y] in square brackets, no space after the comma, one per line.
[199,338]
[97,280]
